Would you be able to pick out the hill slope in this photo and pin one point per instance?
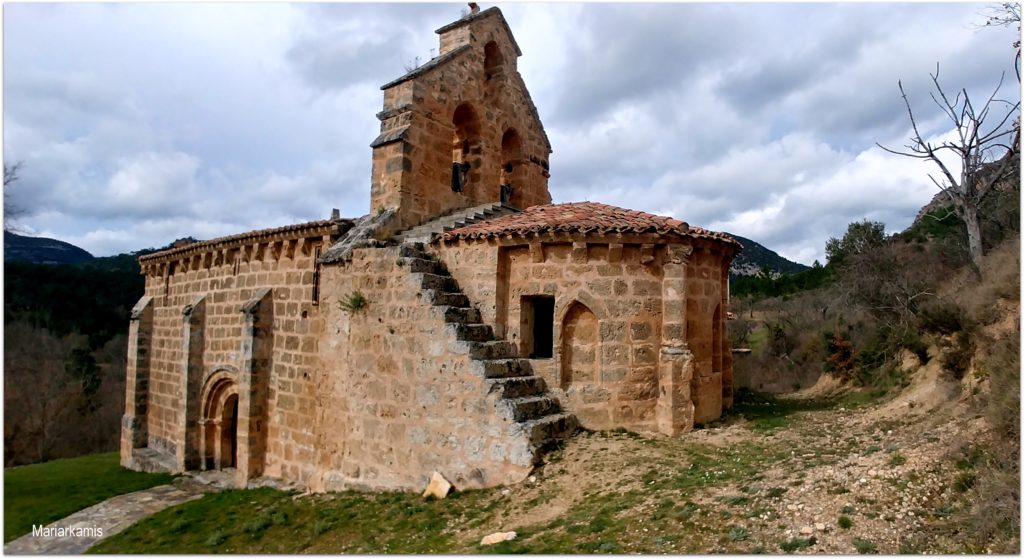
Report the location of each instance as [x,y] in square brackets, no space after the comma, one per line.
[755,256]
[40,250]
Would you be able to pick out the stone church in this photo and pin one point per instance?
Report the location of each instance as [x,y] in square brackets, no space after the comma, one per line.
[461,326]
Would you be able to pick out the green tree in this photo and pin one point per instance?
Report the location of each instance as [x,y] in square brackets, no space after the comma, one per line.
[860,237]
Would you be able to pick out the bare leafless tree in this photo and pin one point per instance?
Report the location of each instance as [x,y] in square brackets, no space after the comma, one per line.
[985,144]
[1006,14]
[11,211]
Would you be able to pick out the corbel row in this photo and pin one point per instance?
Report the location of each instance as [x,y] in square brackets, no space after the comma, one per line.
[275,250]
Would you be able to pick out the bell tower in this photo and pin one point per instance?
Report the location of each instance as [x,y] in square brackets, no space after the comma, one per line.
[461,130]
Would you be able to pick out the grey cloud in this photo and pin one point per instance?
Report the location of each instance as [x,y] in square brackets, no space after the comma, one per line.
[612,64]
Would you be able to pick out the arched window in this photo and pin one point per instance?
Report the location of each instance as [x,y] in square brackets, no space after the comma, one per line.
[466,150]
[511,163]
[493,61]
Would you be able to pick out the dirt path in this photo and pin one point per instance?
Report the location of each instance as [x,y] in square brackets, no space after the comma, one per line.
[78,532]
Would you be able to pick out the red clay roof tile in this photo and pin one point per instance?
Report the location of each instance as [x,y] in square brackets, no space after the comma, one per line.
[580,217]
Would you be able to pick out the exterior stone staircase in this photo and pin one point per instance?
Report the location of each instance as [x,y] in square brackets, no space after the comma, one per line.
[425,233]
[522,396]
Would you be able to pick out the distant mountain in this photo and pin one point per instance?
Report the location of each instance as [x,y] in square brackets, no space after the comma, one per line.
[756,256]
[40,250]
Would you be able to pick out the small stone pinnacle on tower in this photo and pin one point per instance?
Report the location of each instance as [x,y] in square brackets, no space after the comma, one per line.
[474,8]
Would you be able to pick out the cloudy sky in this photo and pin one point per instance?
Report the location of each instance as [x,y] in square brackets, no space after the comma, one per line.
[137,124]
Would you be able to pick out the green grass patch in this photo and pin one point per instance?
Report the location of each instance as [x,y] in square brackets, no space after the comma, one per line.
[602,520]
[44,493]
[768,413]
[261,521]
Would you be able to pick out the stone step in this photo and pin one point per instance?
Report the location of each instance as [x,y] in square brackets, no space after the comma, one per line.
[442,298]
[439,282]
[491,350]
[526,408]
[516,387]
[466,216]
[550,428]
[502,368]
[470,332]
[462,315]
[413,250]
[422,265]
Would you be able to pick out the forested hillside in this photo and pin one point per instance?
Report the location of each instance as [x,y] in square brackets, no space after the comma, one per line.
[65,347]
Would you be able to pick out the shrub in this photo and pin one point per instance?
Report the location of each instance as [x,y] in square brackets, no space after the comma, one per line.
[353,302]
[738,533]
[864,547]
[845,523]
[957,359]
[942,317]
[798,543]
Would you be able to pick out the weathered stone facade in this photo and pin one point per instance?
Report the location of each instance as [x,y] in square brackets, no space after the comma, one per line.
[336,354]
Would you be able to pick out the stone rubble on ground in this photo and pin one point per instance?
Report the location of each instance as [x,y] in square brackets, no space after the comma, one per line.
[439,487]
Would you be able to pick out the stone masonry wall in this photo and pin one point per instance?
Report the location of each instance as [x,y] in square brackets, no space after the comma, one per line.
[225,280]
[616,344]
[704,295]
[399,398]
[622,286]
[614,383]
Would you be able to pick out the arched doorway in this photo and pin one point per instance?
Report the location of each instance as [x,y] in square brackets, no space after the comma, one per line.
[229,432]
[219,442]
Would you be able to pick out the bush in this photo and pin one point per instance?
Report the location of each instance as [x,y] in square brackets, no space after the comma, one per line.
[798,543]
[864,547]
[839,358]
[845,523]
[995,516]
[942,317]
[957,359]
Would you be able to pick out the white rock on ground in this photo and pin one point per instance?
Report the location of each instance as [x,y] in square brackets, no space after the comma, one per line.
[498,537]
[439,487]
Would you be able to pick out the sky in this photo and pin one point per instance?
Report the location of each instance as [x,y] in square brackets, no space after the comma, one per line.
[138,124]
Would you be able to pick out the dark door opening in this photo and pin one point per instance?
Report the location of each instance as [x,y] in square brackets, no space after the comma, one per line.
[229,433]
[537,326]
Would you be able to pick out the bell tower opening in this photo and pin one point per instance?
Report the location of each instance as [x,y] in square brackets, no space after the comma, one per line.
[511,166]
[493,61]
[466,149]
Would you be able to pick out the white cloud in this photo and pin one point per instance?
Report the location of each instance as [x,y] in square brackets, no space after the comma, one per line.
[142,123]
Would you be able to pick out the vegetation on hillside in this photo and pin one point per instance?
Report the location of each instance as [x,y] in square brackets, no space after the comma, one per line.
[883,298]
[65,355]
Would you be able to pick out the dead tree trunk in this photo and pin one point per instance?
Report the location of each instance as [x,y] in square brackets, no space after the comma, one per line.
[982,150]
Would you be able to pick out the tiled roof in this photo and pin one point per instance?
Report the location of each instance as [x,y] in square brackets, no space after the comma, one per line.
[247,236]
[581,217]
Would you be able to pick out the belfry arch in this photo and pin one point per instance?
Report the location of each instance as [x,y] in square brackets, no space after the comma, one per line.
[511,166]
[466,148]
